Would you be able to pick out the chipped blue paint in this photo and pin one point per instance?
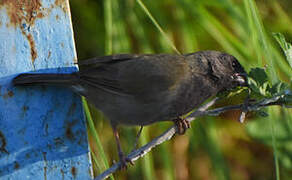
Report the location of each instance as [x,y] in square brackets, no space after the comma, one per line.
[42,129]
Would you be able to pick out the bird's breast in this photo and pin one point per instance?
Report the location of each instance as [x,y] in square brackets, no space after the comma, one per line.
[192,94]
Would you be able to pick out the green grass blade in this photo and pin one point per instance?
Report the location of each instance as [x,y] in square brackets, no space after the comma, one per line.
[157,26]
[166,157]
[258,30]
[147,164]
[286,47]
[96,163]
[108,26]
[95,135]
[272,118]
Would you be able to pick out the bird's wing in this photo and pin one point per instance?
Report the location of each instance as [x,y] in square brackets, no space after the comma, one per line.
[137,75]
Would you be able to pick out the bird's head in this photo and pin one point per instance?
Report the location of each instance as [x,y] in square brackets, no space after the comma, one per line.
[226,68]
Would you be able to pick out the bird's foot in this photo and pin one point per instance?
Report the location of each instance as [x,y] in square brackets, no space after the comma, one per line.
[124,161]
[182,125]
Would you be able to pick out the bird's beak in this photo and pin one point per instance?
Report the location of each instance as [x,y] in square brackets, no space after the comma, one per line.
[240,78]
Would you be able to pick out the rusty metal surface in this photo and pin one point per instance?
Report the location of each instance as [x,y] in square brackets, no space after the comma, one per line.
[42,129]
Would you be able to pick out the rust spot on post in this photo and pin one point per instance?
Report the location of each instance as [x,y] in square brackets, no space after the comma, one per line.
[3,143]
[63,175]
[9,94]
[40,15]
[16,165]
[25,108]
[20,11]
[74,171]
[33,51]
[23,14]
[45,156]
[62,4]
[45,172]
[69,133]
[49,54]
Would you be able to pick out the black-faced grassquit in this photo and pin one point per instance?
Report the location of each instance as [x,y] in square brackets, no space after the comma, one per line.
[143,89]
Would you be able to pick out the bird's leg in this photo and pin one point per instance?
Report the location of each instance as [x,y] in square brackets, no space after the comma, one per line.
[182,125]
[123,159]
[137,138]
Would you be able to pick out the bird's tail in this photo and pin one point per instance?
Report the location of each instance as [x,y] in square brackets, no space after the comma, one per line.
[45,79]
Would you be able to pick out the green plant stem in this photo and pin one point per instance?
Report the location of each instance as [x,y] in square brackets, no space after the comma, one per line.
[108,26]
[95,135]
[157,26]
[274,144]
[148,169]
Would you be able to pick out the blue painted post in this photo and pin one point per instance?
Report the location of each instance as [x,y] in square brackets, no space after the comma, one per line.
[42,129]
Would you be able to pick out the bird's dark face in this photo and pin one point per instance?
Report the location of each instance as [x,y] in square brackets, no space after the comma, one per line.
[229,70]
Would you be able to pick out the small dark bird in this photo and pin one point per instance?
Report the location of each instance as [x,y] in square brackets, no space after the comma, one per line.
[143,89]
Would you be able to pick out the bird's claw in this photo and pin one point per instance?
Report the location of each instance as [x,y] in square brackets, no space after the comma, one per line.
[182,125]
[124,162]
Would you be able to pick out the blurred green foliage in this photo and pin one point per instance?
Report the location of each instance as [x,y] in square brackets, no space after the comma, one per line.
[214,148]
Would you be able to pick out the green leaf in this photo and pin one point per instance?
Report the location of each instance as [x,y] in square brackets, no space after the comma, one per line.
[258,83]
[259,75]
[261,88]
[286,47]
[278,88]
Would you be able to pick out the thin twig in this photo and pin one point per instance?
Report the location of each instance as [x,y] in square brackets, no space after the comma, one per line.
[202,111]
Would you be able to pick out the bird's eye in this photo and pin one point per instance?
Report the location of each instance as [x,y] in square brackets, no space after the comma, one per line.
[234,64]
